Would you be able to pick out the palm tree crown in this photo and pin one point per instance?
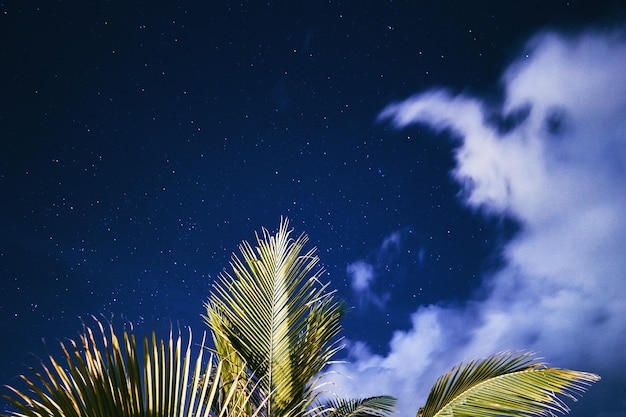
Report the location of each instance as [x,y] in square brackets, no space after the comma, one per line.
[102,376]
[273,314]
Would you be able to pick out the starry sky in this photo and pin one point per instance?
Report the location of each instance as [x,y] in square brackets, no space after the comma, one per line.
[459,166]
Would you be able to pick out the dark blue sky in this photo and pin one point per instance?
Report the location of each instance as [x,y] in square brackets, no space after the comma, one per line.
[141,142]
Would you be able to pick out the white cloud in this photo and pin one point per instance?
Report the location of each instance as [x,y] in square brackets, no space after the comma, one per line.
[560,170]
[362,275]
[365,275]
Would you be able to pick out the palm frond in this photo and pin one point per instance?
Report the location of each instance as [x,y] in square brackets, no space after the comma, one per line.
[504,384]
[274,313]
[380,406]
[107,377]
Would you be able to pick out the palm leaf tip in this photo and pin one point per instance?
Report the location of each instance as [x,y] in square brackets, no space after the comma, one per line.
[379,406]
[506,384]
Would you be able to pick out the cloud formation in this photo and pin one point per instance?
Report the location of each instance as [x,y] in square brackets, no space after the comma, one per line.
[552,155]
[363,274]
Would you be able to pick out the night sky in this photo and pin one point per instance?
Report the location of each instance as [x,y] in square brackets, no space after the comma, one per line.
[459,165]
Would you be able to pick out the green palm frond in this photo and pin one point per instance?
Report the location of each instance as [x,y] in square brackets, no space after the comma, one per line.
[276,316]
[379,406]
[504,384]
[112,377]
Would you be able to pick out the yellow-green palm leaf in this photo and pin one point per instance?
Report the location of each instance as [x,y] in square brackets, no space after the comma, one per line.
[505,384]
[379,406]
[112,377]
[273,313]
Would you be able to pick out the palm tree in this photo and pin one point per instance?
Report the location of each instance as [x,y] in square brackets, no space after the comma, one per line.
[115,378]
[274,315]
[275,328]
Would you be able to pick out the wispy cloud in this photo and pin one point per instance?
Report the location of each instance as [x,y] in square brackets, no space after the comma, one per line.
[552,155]
[364,273]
